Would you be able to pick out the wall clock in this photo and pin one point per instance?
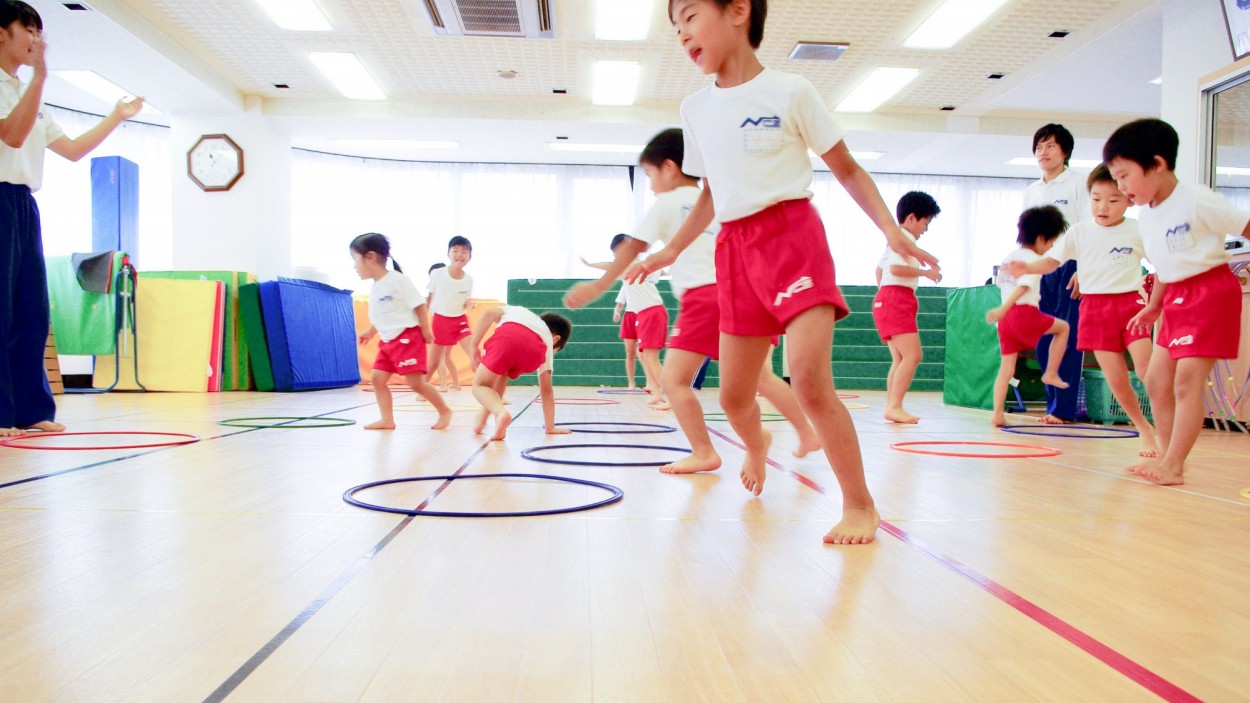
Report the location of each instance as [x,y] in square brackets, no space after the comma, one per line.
[215,163]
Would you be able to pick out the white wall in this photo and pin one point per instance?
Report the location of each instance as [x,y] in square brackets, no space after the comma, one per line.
[1195,44]
[247,228]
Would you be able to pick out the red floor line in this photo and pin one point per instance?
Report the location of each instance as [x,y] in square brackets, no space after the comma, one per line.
[1135,672]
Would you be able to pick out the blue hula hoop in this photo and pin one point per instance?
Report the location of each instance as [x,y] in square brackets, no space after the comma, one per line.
[349,496]
[529,454]
[622,391]
[1081,432]
[655,429]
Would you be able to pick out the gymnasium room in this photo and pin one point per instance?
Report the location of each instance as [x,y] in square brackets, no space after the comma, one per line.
[441,350]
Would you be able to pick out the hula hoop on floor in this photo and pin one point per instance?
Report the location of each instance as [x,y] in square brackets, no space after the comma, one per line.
[426,407]
[617,494]
[251,422]
[530,454]
[1078,431]
[584,401]
[16,442]
[764,417]
[655,429]
[847,396]
[1037,453]
[622,391]
[855,406]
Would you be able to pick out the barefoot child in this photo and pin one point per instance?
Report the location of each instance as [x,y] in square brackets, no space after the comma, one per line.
[1108,253]
[1020,324]
[523,343]
[895,306]
[1183,228]
[398,316]
[644,326]
[450,289]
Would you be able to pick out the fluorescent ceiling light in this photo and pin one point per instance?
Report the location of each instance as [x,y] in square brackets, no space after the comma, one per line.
[623,20]
[1073,163]
[880,85]
[348,75]
[296,15]
[951,22]
[394,144]
[599,148]
[100,87]
[616,82]
[1232,171]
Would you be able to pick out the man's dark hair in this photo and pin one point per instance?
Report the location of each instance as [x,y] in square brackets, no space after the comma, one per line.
[1062,137]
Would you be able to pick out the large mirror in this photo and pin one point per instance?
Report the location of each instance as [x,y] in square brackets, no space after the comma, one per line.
[1229,108]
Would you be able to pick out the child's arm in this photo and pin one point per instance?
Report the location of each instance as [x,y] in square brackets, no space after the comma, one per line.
[878,276]
[998,313]
[1144,321]
[864,192]
[933,274]
[696,223]
[367,335]
[616,314]
[1042,266]
[586,293]
[601,265]
[549,404]
[488,318]
[75,149]
[423,319]
[17,126]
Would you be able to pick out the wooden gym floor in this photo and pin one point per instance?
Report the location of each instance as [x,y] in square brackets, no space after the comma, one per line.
[231,569]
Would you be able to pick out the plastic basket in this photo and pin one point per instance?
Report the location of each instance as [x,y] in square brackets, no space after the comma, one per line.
[1102,405]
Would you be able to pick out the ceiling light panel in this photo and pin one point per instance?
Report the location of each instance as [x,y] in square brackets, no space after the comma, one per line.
[296,15]
[99,87]
[616,82]
[880,85]
[348,75]
[952,21]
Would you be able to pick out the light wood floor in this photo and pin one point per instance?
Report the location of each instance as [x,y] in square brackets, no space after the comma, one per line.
[232,570]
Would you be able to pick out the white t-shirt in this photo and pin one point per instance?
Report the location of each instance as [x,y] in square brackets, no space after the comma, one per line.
[893,258]
[751,141]
[24,166]
[448,296]
[1007,283]
[640,296]
[393,303]
[1066,191]
[523,316]
[1109,258]
[696,265]
[1184,235]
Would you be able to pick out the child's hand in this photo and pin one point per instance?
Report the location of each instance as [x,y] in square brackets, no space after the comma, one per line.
[903,244]
[476,357]
[1017,268]
[1075,286]
[1144,321]
[38,47]
[616,315]
[994,315]
[364,338]
[559,430]
[933,274]
[427,335]
[469,305]
[583,294]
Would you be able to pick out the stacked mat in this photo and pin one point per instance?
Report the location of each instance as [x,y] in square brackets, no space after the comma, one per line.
[236,372]
[84,321]
[301,335]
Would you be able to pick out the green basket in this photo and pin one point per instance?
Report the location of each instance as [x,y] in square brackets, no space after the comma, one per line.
[1102,405]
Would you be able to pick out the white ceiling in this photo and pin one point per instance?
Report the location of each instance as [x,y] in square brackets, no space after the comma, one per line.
[197,56]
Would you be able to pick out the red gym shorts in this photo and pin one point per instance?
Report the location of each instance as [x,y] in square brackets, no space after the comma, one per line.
[773,265]
[629,325]
[697,328]
[514,349]
[652,327]
[1202,316]
[894,311]
[403,355]
[1022,328]
[1104,321]
[449,330]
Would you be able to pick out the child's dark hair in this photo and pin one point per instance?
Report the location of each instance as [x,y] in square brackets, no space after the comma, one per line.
[559,326]
[15,11]
[916,203]
[1062,137]
[460,242]
[1045,223]
[1140,141]
[1100,174]
[668,145]
[617,241]
[439,265]
[376,243]
[759,12]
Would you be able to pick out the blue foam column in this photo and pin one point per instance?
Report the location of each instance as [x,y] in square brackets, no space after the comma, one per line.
[115,205]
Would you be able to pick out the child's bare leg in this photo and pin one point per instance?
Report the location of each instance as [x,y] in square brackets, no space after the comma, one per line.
[1189,385]
[1160,379]
[741,359]
[487,387]
[1058,345]
[416,381]
[680,368]
[652,370]
[809,342]
[453,373]
[468,351]
[631,356]
[1116,373]
[382,393]
[1006,370]
[434,364]
[907,353]
[779,393]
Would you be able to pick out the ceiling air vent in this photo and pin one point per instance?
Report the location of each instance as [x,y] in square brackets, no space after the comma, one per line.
[492,18]
[817,51]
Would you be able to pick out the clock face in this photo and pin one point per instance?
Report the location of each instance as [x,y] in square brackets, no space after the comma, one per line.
[215,163]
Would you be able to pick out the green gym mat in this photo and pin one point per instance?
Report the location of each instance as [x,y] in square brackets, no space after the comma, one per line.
[84,322]
[972,356]
[253,327]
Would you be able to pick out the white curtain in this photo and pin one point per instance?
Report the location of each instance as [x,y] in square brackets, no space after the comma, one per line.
[65,198]
[525,221]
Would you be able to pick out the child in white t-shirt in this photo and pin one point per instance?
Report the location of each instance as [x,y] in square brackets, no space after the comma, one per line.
[522,343]
[450,292]
[397,314]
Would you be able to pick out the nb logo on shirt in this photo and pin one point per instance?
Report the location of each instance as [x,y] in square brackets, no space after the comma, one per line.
[1180,238]
[1182,341]
[386,298]
[1061,202]
[1122,250]
[804,283]
[773,122]
[1120,255]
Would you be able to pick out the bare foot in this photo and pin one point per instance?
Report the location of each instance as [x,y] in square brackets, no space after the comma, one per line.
[998,420]
[442,389]
[1163,474]
[1052,379]
[456,387]
[858,526]
[693,464]
[655,398]
[754,467]
[1135,469]
[808,443]
[444,419]
[900,416]
[480,425]
[46,426]
[10,432]
[381,425]
[502,420]
[1052,420]
[662,406]
[1149,447]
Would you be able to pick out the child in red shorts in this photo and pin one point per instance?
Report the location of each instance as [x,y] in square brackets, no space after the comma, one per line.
[450,291]
[522,343]
[644,325]
[1020,323]
[398,315]
[895,306]
[1183,227]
